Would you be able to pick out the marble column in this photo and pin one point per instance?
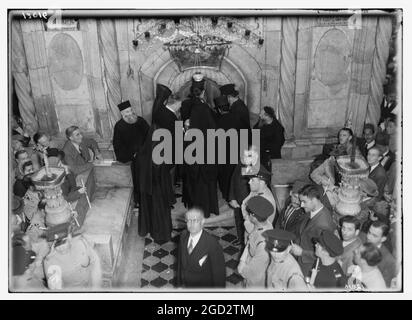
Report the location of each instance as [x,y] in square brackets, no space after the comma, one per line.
[380,58]
[361,69]
[37,63]
[287,74]
[21,79]
[111,72]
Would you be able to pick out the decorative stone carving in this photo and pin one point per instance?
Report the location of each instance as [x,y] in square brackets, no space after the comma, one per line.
[65,61]
[287,74]
[21,79]
[332,59]
[111,72]
[383,35]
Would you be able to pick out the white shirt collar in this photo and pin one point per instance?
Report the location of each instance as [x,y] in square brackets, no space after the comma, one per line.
[314,213]
[346,243]
[194,239]
[170,109]
[370,144]
[76,146]
[374,166]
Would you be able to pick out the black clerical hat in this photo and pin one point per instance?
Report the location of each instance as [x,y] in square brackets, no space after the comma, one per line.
[124,105]
[229,90]
[162,93]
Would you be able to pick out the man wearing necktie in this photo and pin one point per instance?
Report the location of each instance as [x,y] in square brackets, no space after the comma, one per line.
[316,219]
[200,262]
[290,217]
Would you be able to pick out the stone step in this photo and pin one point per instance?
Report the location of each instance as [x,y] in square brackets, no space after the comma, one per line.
[106,226]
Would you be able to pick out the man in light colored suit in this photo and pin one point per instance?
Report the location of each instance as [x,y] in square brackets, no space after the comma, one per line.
[76,151]
[316,219]
[200,263]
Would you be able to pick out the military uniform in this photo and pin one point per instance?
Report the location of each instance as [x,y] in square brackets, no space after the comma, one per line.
[330,276]
[255,258]
[285,275]
[282,273]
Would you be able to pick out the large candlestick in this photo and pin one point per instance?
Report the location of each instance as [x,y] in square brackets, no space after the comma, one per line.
[46,163]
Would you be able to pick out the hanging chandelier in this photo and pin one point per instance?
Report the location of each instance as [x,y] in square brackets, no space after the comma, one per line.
[197,51]
[205,33]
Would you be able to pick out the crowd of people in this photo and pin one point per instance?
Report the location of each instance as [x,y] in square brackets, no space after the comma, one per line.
[304,246]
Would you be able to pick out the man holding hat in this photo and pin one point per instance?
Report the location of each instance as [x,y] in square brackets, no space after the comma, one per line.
[329,273]
[259,186]
[128,137]
[237,106]
[283,272]
[253,262]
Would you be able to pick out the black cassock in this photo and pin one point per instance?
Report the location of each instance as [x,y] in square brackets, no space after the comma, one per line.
[156,194]
[200,180]
[127,141]
[227,121]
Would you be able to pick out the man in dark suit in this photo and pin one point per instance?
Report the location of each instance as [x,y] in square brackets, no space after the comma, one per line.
[368,139]
[377,173]
[77,151]
[290,217]
[237,106]
[316,219]
[377,235]
[388,157]
[201,262]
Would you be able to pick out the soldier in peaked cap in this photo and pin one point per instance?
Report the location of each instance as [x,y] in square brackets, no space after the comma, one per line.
[253,262]
[329,273]
[283,272]
[237,105]
[259,185]
[128,136]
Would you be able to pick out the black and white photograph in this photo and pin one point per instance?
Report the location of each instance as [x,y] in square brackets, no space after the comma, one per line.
[204,150]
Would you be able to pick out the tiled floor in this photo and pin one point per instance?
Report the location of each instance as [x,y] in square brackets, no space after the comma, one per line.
[159,259]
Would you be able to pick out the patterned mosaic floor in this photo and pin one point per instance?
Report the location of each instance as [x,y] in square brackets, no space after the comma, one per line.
[159,259]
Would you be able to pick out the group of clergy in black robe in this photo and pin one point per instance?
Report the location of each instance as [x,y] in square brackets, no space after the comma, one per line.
[153,183]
